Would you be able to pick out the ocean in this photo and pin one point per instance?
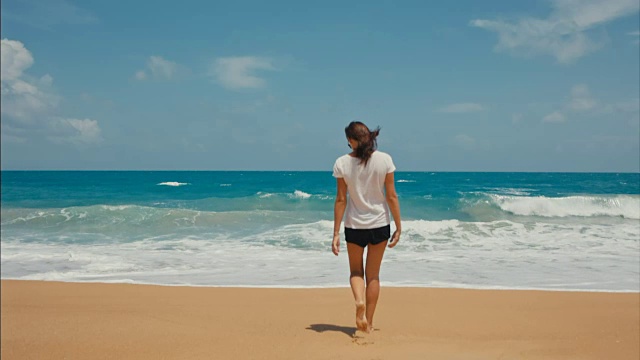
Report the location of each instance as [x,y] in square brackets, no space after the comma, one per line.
[551,231]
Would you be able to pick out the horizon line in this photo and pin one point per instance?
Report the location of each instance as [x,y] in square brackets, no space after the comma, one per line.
[249,170]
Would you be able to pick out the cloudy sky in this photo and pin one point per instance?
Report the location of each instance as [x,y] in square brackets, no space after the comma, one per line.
[548,85]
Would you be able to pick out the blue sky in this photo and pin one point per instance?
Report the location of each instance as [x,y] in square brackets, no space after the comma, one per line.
[251,85]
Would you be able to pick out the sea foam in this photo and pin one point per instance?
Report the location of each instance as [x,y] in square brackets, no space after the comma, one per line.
[173,183]
[498,254]
[626,206]
[301,194]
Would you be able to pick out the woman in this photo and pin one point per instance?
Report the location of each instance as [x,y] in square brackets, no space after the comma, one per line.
[367,175]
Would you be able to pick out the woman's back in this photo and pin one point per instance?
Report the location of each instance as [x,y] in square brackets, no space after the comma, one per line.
[367,206]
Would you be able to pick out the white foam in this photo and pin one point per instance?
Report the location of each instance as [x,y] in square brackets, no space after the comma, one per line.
[626,206]
[116,207]
[572,255]
[512,191]
[173,183]
[406,181]
[27,217]
[301,194]
[225,185]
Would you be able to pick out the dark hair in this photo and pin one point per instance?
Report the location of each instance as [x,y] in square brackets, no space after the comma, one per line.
[366,139]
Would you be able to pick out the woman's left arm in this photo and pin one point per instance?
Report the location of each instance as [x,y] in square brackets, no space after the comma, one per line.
[394,207]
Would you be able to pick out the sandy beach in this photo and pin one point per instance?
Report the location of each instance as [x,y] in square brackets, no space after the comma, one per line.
[51,320]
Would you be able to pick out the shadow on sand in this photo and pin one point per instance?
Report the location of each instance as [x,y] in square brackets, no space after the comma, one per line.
[349,331]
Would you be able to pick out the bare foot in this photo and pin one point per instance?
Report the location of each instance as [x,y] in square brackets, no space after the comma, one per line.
[361,320]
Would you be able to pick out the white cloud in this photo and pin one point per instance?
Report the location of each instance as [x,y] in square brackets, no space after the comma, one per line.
[159,68]
[581,99]
[462,108]
[464,141]
[46,14]
[15,59]
[516,118]
[75,131]
[13,139]
[12,135]
[635,34]
[555,116]
[238,72]
[23,98]
[162,68]
[625,106]
[29,104]
[563,34]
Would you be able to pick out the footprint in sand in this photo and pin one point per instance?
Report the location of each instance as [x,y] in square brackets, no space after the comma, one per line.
[363,338]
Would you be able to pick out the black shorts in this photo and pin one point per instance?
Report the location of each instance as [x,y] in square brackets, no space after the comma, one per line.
[363,237]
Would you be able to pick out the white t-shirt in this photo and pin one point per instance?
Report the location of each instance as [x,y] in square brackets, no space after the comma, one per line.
[367,206]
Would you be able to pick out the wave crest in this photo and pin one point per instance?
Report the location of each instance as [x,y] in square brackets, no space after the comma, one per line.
[301,194]
[172,183]
[626,206]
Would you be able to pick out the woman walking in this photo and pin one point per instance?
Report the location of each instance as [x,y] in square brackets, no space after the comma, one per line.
[367,176]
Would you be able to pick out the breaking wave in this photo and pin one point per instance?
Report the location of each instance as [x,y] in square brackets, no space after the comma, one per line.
[173,183]
[626,206]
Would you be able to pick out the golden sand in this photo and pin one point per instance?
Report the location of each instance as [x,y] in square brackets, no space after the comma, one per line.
[51,320]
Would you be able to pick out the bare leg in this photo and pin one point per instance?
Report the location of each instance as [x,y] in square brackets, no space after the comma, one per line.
[357,283]
[374,259]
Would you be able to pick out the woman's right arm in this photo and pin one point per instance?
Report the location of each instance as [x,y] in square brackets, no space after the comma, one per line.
[338,213]
[394,207]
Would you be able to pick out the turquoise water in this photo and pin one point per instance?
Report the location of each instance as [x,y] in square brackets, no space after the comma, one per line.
[573,231]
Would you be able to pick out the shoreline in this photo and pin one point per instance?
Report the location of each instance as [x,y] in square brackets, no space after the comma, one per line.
[409,286]
[51,320]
